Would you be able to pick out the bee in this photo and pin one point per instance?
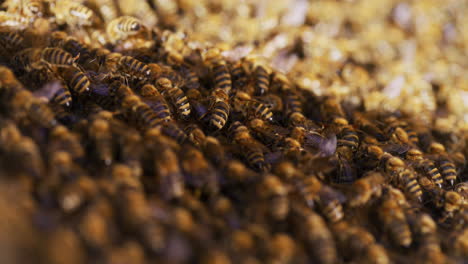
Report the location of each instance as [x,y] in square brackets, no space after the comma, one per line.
[176,95]
[39,112]
[72,13]
[140,113]
[462,189]
[133,67]
[177,62]
[101,136]
[366,188]
[24,151]
[315,234]
[156,101]
[425,230]
[293,109]
[13,21]
[219,70]
[251,108]
[392,123]
[124,178]
[272,101]
[60,39]
[123,27]
[200,172]
[357,243]
[214,151]
[57,57]
[273,190]
[281,248]
[75,194]
[327,199]
[270,134]
[12,41]
[195,135]
[62,96]
[94,229]
[237,172]
[460,243]
[65,140]
[332,110]
[424,164]
[173,131]
[394,221]
[445,163]
[251,149]
[169,175]
[407,179]
[196,101]
[238,75]
[262,79]
[76,80]
[219,109]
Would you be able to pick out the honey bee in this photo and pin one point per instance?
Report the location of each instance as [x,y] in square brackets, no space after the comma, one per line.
[72,13]
[12,41]
[218,67]
[172,130]
[37,110]
[191,77]
[425,230]
[268,133]
[60,39]
[251,108]
[62,96]
[460,243]
[123,27]
[392,123]
[293,109]
[262,79]
[93,228]
[141,113]
[176,95]
[65,140]
[332,110]
[327,199]
[133,67]
[219,109]
[75,194]
[201,173]
[366,188]
[424,164]
[195,135]
[445,163]
[394,221]
[462,189]
[57,57]
[238,75]
[281,248]
[169,175]
[156,101]
[214,151]
[272,101]
[101,136]
[196,101]
[275,192]
[251,149]
[124,178]
[357,243]
[314,232]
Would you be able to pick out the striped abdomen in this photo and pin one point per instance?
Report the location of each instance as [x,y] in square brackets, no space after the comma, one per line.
[132,66]
[76,80]
[259,110]
[255,158]
[222,78]
[410,184]
[431,170]
[11,40]
[349,138]
[63,97]
[180,101]
[262,80]
[448,171]
[173,130]
[219,115]
[57,56]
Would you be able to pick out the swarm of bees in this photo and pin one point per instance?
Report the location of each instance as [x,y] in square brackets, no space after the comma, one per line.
[126,139]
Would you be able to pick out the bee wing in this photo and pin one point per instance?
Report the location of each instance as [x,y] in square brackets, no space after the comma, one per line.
[327,193]
[326,145]
[396,149]
[48,90]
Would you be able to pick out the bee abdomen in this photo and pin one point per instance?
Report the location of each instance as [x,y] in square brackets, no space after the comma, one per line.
[77,81]
[448,171]
[180,101]
[57,56]
[400,232]
[262,81]
[174,131]
[222,78]
[63,97]
[133,66]
[219,116]
[333,211]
